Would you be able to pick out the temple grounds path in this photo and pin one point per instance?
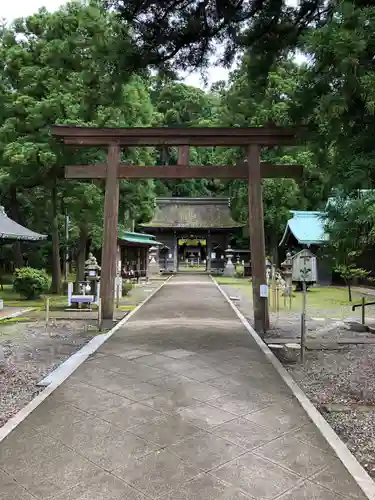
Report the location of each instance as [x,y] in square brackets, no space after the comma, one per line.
[179,404]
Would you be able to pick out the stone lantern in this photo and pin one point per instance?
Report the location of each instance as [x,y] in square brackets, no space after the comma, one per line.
[153,265]
[268,270]
[287,267]
[229,269]
[92,270]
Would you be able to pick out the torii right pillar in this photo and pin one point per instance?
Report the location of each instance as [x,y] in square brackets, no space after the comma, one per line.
[257,241]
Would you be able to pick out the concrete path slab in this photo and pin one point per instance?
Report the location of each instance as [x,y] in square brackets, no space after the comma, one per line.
[179,404]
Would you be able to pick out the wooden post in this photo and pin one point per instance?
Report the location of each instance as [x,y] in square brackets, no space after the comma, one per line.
[47,310]
[117,293]
[257,244]
[109,250]
[183,155]
[208,251]
[363,311]
[303,324]
[175,252]
[139,263]
[303,321]
[99,313]
[277,299]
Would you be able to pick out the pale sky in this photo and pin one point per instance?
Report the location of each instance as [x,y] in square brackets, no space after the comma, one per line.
[11,9]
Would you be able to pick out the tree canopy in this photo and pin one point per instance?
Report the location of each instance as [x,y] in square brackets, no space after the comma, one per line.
[172,34]
[89,65]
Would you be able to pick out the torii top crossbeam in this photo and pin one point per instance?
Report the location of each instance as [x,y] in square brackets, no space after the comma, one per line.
[173,136]
[252,138]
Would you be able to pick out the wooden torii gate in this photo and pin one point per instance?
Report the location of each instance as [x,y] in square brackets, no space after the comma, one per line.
[252,170]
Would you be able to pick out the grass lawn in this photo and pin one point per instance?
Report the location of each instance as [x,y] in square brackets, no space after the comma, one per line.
[13,299]
[323,298]
[319,299]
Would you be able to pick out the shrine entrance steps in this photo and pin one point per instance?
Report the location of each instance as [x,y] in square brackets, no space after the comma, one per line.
[179,404]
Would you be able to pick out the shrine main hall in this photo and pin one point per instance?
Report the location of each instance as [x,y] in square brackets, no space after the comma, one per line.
[194,232]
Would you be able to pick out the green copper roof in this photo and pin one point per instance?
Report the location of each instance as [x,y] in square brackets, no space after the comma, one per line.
[192,213]
[306,227]
[138,238]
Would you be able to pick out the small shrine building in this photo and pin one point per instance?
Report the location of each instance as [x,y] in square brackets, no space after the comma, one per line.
[133,253]
[194,232]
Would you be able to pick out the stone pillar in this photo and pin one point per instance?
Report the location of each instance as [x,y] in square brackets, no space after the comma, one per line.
[175,253]
[153,266]
[208,251]
[118,261]
[287,267]
[229,269]
[268,271]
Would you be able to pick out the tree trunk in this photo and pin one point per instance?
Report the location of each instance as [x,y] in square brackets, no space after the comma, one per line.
[15,215]
[274,250]
[349,290]
[56,263]
[81,254]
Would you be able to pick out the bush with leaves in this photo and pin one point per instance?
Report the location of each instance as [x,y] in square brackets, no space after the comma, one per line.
[126,287]
[30,283]
[349,273]
[240,271]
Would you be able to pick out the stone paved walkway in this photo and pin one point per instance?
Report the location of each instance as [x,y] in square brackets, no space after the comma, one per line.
[180,404]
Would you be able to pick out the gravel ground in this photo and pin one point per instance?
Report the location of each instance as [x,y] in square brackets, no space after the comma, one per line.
[28,352]
[344,377]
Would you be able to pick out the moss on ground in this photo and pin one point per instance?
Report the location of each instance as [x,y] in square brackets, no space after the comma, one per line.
[127,307]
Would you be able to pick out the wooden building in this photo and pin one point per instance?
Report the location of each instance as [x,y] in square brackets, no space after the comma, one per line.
[306,230]
[133,253]
[194,232]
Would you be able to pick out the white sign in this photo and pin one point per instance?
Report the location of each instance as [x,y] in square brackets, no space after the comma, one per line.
[170,256]
[264,291]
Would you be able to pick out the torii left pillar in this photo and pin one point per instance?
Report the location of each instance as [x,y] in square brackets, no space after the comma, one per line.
[109,249]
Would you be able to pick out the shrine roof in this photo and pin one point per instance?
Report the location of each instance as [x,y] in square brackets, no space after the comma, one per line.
[192,213]
[138,238]
[306,227]
[11,230]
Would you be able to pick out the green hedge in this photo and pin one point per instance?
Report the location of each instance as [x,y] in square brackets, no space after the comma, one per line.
[30,283]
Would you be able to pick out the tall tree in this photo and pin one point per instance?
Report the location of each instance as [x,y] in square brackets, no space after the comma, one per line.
[62,67]
[336,97]
[245,104]
[185,33]
[179,105]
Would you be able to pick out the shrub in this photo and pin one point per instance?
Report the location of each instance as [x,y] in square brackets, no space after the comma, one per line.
[30,283]
[126,287]
[240,271]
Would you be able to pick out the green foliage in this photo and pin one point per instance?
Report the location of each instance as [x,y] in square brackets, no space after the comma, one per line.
[64,67]
[76,65]
[350,272]
[185,34]
[350,224]
[30,283]
[240,271]
[126,287]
